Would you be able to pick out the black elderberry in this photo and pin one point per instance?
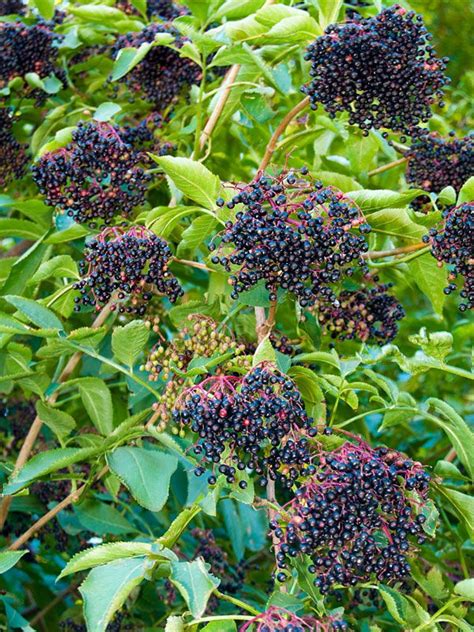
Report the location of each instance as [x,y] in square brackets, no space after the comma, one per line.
[125,267]
[256,422]
[25,49]
[13,157]
[10,7]
[381,70]
[142,137]
[453,244]
[435,162]
[162,74]
[95,177]
[277,619]
[164,9]
[18,415]
[356,517]
[292,234]
[367,314]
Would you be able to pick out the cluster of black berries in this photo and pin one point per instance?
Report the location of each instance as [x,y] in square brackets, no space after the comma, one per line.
[257,422]
[25,49]
[125,268]
[231,575]
[18,414]
[355,517]
[95,177]
[277,619]
[435,162]
[13,157]
[165,9]
[453,244]
[9,7]
[118,624]
[142,137]
[162,74]
[293,234]
[381,70]
[51,491]
[366,314]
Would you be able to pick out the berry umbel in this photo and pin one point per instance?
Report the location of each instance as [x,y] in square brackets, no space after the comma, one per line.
[453,244]
[293,234]
[162,75]
[367,314]
[257,422]
[126,268]
[13,157]
[381,70]
[95,177]
[435,162]
[355,517]
[277,619]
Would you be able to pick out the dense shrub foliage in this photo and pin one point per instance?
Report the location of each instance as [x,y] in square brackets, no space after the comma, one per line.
[237,269]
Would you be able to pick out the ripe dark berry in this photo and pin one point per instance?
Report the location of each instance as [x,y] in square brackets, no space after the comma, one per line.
[256,422]
[25,49]
[162,74]
[367,314]
[277,619]
[95,177]
[293,234]
[453,244]
[125,267]
[381,70]
[435,162]
[16,417]
[13,157]
[165,9]
[355,517]
[10,7]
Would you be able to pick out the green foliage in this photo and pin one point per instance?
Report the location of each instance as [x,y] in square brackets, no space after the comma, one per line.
[140,542]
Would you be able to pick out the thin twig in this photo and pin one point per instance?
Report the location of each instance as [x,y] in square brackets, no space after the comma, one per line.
[299,107]
[381,254]
[54,603]
[390,165]
[37,423]
[193,264]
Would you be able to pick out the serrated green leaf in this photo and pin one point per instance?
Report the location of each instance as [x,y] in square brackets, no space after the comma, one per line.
[97,401]
[465,588]
[145,473]
[129,341]
[61,423]
[37,314]
[195,584]
[191,178]
[8,559]
[466,194]
[106,111]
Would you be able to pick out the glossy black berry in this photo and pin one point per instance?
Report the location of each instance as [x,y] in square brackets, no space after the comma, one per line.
[126,268]
[95,177]
[381,70]
[13,157]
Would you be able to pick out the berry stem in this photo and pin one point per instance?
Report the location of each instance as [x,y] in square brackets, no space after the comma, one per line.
[390,165]
[236,602]
[381,254]
[37,423]
[299,107]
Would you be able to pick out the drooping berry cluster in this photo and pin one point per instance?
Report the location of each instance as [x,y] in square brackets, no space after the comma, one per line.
[13,157]
[381,70]
[10,7]
[125,268]
[293,234]
[453,244]
[25,49]
[277,619]
[95,177]
[142,136]
[231,575]
[162,74]
[355,517]
[256,422]
[165,9]
[435,162]
[18,414]
[367,314]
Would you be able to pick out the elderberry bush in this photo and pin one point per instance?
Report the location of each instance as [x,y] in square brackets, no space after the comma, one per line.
[292,234]
[163,74]
[97,176]
[382,71]
[367,314]
[13,156]
[453,244]
[435,162]
[257,422]
[125,268]
[356,517]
